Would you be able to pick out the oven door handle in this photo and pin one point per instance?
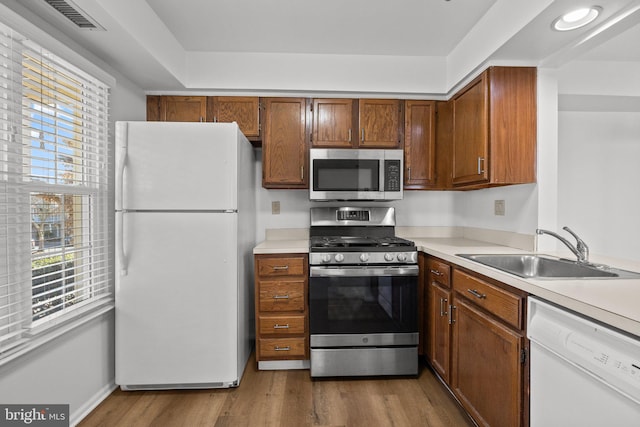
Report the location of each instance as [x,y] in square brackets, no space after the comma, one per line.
[364,271]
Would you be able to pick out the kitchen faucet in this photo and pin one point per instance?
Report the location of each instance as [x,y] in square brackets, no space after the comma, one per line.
[581,250]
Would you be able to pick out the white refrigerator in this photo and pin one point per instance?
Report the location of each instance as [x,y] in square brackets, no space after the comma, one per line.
[185,231]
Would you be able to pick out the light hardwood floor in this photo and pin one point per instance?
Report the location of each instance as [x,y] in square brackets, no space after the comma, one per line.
[288,398]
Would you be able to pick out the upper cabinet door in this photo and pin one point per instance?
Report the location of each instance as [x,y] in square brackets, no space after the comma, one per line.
[333,123]
[183,108]
[153,108]
[379,120]
[285,149]
[495,129]
[470,133]
[244,110]
[419,144]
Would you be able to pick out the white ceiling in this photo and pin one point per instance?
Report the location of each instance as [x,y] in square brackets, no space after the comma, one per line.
[345,27]
[163,45]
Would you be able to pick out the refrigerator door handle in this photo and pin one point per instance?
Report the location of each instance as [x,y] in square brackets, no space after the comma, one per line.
[120,254]
[122,132]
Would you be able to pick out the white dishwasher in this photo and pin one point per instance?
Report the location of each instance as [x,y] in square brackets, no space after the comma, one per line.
[583,373]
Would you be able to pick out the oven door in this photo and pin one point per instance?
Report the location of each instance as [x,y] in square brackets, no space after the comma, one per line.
[363,306]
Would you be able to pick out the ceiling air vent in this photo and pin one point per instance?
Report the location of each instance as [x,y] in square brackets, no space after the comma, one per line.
[76,15]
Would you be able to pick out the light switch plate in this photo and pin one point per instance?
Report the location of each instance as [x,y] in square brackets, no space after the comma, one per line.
[499,207]
[275,207]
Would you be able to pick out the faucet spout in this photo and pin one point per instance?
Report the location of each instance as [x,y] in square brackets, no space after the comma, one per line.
[580,250]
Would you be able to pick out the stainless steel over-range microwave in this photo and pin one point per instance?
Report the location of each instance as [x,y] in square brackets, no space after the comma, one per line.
[356,174]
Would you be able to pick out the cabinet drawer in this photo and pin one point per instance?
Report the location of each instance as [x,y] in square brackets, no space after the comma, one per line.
[285,348]
[439,271]
[502,303]
[283,325]
[282,296]
[281,266]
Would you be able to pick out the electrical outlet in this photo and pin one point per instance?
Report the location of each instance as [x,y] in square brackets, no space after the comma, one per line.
[498,207]
[275,207]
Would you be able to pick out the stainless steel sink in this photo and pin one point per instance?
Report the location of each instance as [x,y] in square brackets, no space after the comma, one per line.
[546,267]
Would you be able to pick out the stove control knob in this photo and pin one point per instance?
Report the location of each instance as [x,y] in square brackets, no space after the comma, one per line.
[388,257]
[339,257]
[364,257]
[326,258]
[402,257]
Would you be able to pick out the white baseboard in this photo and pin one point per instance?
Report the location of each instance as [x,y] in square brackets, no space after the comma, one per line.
[79,414]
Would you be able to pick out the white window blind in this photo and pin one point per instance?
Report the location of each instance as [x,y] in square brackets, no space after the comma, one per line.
[54,219]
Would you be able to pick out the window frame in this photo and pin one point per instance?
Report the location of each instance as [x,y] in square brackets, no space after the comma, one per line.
[17,188]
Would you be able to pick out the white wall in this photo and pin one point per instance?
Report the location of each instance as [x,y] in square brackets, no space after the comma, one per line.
[75,369]
[418,208]
[476,208]
[598,152]
[598,180]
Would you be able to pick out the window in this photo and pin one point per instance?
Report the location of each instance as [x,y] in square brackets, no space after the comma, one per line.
[54,218]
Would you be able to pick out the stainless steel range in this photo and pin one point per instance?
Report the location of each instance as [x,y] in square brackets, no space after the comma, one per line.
[363,289]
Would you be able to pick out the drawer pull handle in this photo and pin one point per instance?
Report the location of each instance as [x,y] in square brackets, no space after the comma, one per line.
[280,267]
[281,297]
[278,348]
[476,293]
[276,326]
[435,272]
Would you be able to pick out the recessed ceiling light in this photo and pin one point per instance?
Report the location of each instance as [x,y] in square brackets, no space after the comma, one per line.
[576,18]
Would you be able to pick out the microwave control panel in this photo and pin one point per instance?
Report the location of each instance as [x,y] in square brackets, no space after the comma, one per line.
[392,175]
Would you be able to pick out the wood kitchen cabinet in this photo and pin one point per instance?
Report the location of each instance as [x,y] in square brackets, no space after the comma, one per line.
[438,285]
[177,108]
[285,146]
[488,359]
[334,122]
[494,129]
[379,121]
[419,144]
[281,289]
[444,145]
[476,342]
[244,110]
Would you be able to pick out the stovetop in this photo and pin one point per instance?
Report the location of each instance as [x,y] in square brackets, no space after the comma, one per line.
[357,236]
[360,244]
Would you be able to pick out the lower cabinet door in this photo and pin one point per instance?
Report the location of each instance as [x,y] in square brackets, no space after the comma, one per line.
[439,330]
[487,372]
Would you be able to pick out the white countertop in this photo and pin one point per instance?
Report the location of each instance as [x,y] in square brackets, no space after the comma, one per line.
[612,301]
[296,246]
